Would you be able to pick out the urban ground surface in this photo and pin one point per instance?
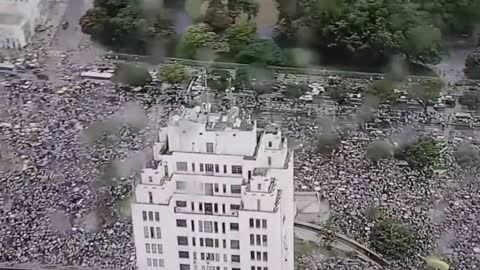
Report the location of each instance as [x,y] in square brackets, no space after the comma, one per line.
[70,147]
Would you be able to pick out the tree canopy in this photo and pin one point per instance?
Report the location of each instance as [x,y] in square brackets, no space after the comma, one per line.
[133,75]
[174,73]
[379,150]
[472,65]
[261,51]
[200,36]
[423,154]
[467,155]
[394,240]
[471,100]
[426,92]
[384,90]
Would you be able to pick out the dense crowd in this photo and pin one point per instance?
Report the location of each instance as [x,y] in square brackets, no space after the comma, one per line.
[61,199]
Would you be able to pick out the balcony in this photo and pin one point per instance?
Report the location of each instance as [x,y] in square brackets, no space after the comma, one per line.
[182,210]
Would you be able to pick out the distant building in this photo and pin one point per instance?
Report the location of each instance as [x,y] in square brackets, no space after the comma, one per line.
[218,195]
[18,19]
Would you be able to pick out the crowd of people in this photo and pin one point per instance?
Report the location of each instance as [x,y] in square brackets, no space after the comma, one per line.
[61,199]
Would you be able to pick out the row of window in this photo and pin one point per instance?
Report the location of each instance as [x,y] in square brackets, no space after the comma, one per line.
[255,223]
[182,166]
[258,268]
[152,232]
[261,240]
[155,262]
[208,242]
[150,216]
[207,207]
[211,267]
[259,256]
[234,189]
[207,226]
[154,248]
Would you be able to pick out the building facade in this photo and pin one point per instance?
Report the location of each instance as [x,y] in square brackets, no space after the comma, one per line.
[18,20]
[218,195]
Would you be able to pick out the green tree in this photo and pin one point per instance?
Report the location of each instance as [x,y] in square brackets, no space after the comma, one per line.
[239,7]
[339,94]
[133,75]
[471,100]
[328,142]
[423,154]
[218,16]
[200,36]
[384,90]
[261,51]
[379,150]
[239,36]
[92,23]
[472,65]
[174,73]
[467,155]
[394,240]
[426,92]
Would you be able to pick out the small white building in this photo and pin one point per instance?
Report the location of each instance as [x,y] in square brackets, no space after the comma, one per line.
[218,195]
[18,19]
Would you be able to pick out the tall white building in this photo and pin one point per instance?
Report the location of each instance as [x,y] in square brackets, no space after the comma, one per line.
[218,195]
[18,19]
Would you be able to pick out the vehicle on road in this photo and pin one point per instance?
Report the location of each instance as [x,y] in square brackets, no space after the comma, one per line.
[64,25]
[96,75]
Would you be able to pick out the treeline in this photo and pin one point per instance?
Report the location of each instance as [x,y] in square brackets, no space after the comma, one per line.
[360,32]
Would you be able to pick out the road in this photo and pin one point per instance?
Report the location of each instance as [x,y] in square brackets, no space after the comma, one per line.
[69,39]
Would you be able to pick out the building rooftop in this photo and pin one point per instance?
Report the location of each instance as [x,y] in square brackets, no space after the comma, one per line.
[11,19]
[215,121]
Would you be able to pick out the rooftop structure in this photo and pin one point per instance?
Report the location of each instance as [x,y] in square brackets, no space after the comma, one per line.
[217,195]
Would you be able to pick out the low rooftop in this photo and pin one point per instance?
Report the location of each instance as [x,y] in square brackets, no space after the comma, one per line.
[11,19]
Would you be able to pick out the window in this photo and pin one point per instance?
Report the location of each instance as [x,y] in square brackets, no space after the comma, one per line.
[217,258]
[208,226]
[269,144]
[159,248]
[181,185]
[147,248]
[194,243]
[215,207]
[152,232]
[223,227]
[251,223]
[182,240]
[182,166]
[252,268]
[201,167]
[233,226]
[181,203]
[194,255]
[217,168]
[223,208]
[184,266]
[259,239]
[155,262]
[259,256]
[154,248]
[252,255]
[161,263]
[235,258]
[264,240]
[236,169]
[235,189]
[257,223]
[150,197]
[202,256]
[192,223]
[225,257]
[215,227]
[200,226]
[209,147]
[193,167]
[216,187]
[200,206]
[258,208]
[224,188]
[201,242]
[269,160]
[216,243]
[157,216]
[144,215]
[265,256]
[150,216]
[234,244]
[224,168]
[181,223]
[149,262]
[192,204]
[146,232]
[259,186]
[159,233]
[209,242]
[150,179]
[234,207]
[183,255]
[264,223]
[252,239]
